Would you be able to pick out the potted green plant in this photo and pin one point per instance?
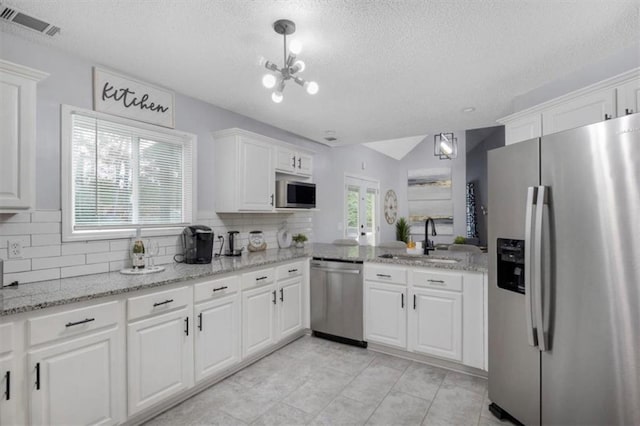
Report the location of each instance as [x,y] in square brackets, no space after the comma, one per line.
[402,230]
[299,239]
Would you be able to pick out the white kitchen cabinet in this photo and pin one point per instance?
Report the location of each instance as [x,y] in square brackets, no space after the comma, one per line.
[385,313]
[217,335]
[290,308]
[160,356]
[628,95]
[8,376]
[435,323]
[17,136]
[581,111]
[523,129]
[258,319]
[244,173]
[293,162]
[76,382]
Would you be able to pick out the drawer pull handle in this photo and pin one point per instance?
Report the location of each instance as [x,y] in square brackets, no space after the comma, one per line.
[84,321]
[162,303]
[628,111]
[282,295]
[186,326]
[293,270]
[38,376]
[383,275]
[414,302]
[224,287]
[7,392]
[274,297]
[607,117]
[261,278]
[436,281]
[402,300]
[200,321]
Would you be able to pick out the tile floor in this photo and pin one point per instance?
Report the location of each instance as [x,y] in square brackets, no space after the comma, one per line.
[318,382]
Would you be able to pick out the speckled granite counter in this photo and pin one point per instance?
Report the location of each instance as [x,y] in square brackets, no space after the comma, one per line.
[33,296]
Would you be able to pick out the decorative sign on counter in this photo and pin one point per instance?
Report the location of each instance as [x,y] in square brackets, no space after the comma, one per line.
[126,97]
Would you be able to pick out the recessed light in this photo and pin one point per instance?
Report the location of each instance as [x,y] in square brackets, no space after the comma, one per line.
[468,109]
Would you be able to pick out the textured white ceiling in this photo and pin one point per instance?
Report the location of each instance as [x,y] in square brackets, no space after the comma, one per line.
[386,69]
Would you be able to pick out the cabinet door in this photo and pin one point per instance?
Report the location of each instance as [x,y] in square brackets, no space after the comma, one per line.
[17,136]
[628,98]
[217,335]
[256,175]
[258,319]
[523,129]
[8,394]
[385,314]
[304,164]
[290,312]
[287,161]
[77,382]
[160,358]
[435,323]
[587,109]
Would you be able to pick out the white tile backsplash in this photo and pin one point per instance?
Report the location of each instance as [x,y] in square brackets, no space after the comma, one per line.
[46,257]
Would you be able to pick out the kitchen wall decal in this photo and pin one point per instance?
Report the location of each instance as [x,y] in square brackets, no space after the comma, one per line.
[120,95]
[429,195]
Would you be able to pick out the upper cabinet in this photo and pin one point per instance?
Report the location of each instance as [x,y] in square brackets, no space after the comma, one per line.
[608,99]
[293,162]
[245,167]
[17,136]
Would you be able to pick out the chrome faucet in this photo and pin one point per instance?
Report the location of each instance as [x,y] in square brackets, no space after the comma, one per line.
[428,244]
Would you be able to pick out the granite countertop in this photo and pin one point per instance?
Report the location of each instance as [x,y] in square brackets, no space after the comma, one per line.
[39,295]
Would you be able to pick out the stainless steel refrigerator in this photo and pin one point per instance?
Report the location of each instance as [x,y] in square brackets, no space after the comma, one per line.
[564,274]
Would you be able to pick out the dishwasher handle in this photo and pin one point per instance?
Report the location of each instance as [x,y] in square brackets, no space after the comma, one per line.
[340,271]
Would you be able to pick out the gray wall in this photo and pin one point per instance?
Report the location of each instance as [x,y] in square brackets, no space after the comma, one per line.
[477,170]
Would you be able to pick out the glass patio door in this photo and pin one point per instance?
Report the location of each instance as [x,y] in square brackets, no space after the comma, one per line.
[361,210]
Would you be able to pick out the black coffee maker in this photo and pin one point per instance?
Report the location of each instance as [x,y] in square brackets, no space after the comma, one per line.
[197,244]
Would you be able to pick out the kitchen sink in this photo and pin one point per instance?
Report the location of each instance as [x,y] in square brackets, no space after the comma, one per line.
[420,258]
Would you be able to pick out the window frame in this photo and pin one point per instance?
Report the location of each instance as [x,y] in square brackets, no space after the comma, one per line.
[66,176]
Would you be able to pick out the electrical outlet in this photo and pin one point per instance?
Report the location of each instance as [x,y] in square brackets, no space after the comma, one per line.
[15,249]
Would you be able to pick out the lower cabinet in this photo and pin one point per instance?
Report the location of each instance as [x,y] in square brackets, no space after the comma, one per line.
[258,319]
[435,323]
[8,395]
[160,357]
[290,297]
[76,382]
[385,313]
[217,335]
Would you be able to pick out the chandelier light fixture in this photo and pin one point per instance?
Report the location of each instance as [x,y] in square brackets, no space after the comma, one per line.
[445,146]
[291,65]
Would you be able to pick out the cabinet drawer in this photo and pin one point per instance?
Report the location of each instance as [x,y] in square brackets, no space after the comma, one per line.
[385,274]
[6,338]
[289,271]
[258,278]
[210,289]
[440,280]
[51,327]
[157,303]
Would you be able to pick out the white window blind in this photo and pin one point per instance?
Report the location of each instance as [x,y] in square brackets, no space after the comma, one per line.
[125,177]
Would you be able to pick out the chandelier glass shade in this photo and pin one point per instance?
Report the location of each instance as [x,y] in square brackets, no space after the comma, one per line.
[445,146]
[291,67]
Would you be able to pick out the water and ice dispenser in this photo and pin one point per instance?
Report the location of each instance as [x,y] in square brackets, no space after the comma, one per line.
[511,264]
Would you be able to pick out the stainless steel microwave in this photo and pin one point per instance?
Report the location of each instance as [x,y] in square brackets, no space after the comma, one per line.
[291,194]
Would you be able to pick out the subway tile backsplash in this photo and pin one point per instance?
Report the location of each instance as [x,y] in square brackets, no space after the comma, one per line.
[46,257]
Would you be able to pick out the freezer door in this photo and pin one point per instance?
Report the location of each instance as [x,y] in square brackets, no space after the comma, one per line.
[514,365]
[591,370]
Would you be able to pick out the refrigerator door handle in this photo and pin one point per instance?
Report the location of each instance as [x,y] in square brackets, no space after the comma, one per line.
[542,205]
[528,269]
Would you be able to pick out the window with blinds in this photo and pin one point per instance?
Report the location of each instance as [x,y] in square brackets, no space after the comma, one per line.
[124,176]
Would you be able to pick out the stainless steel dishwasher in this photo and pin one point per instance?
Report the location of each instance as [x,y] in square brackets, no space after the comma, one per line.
[336,300]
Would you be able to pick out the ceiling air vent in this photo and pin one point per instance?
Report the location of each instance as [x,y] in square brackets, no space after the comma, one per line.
[330,139]
[15,16]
